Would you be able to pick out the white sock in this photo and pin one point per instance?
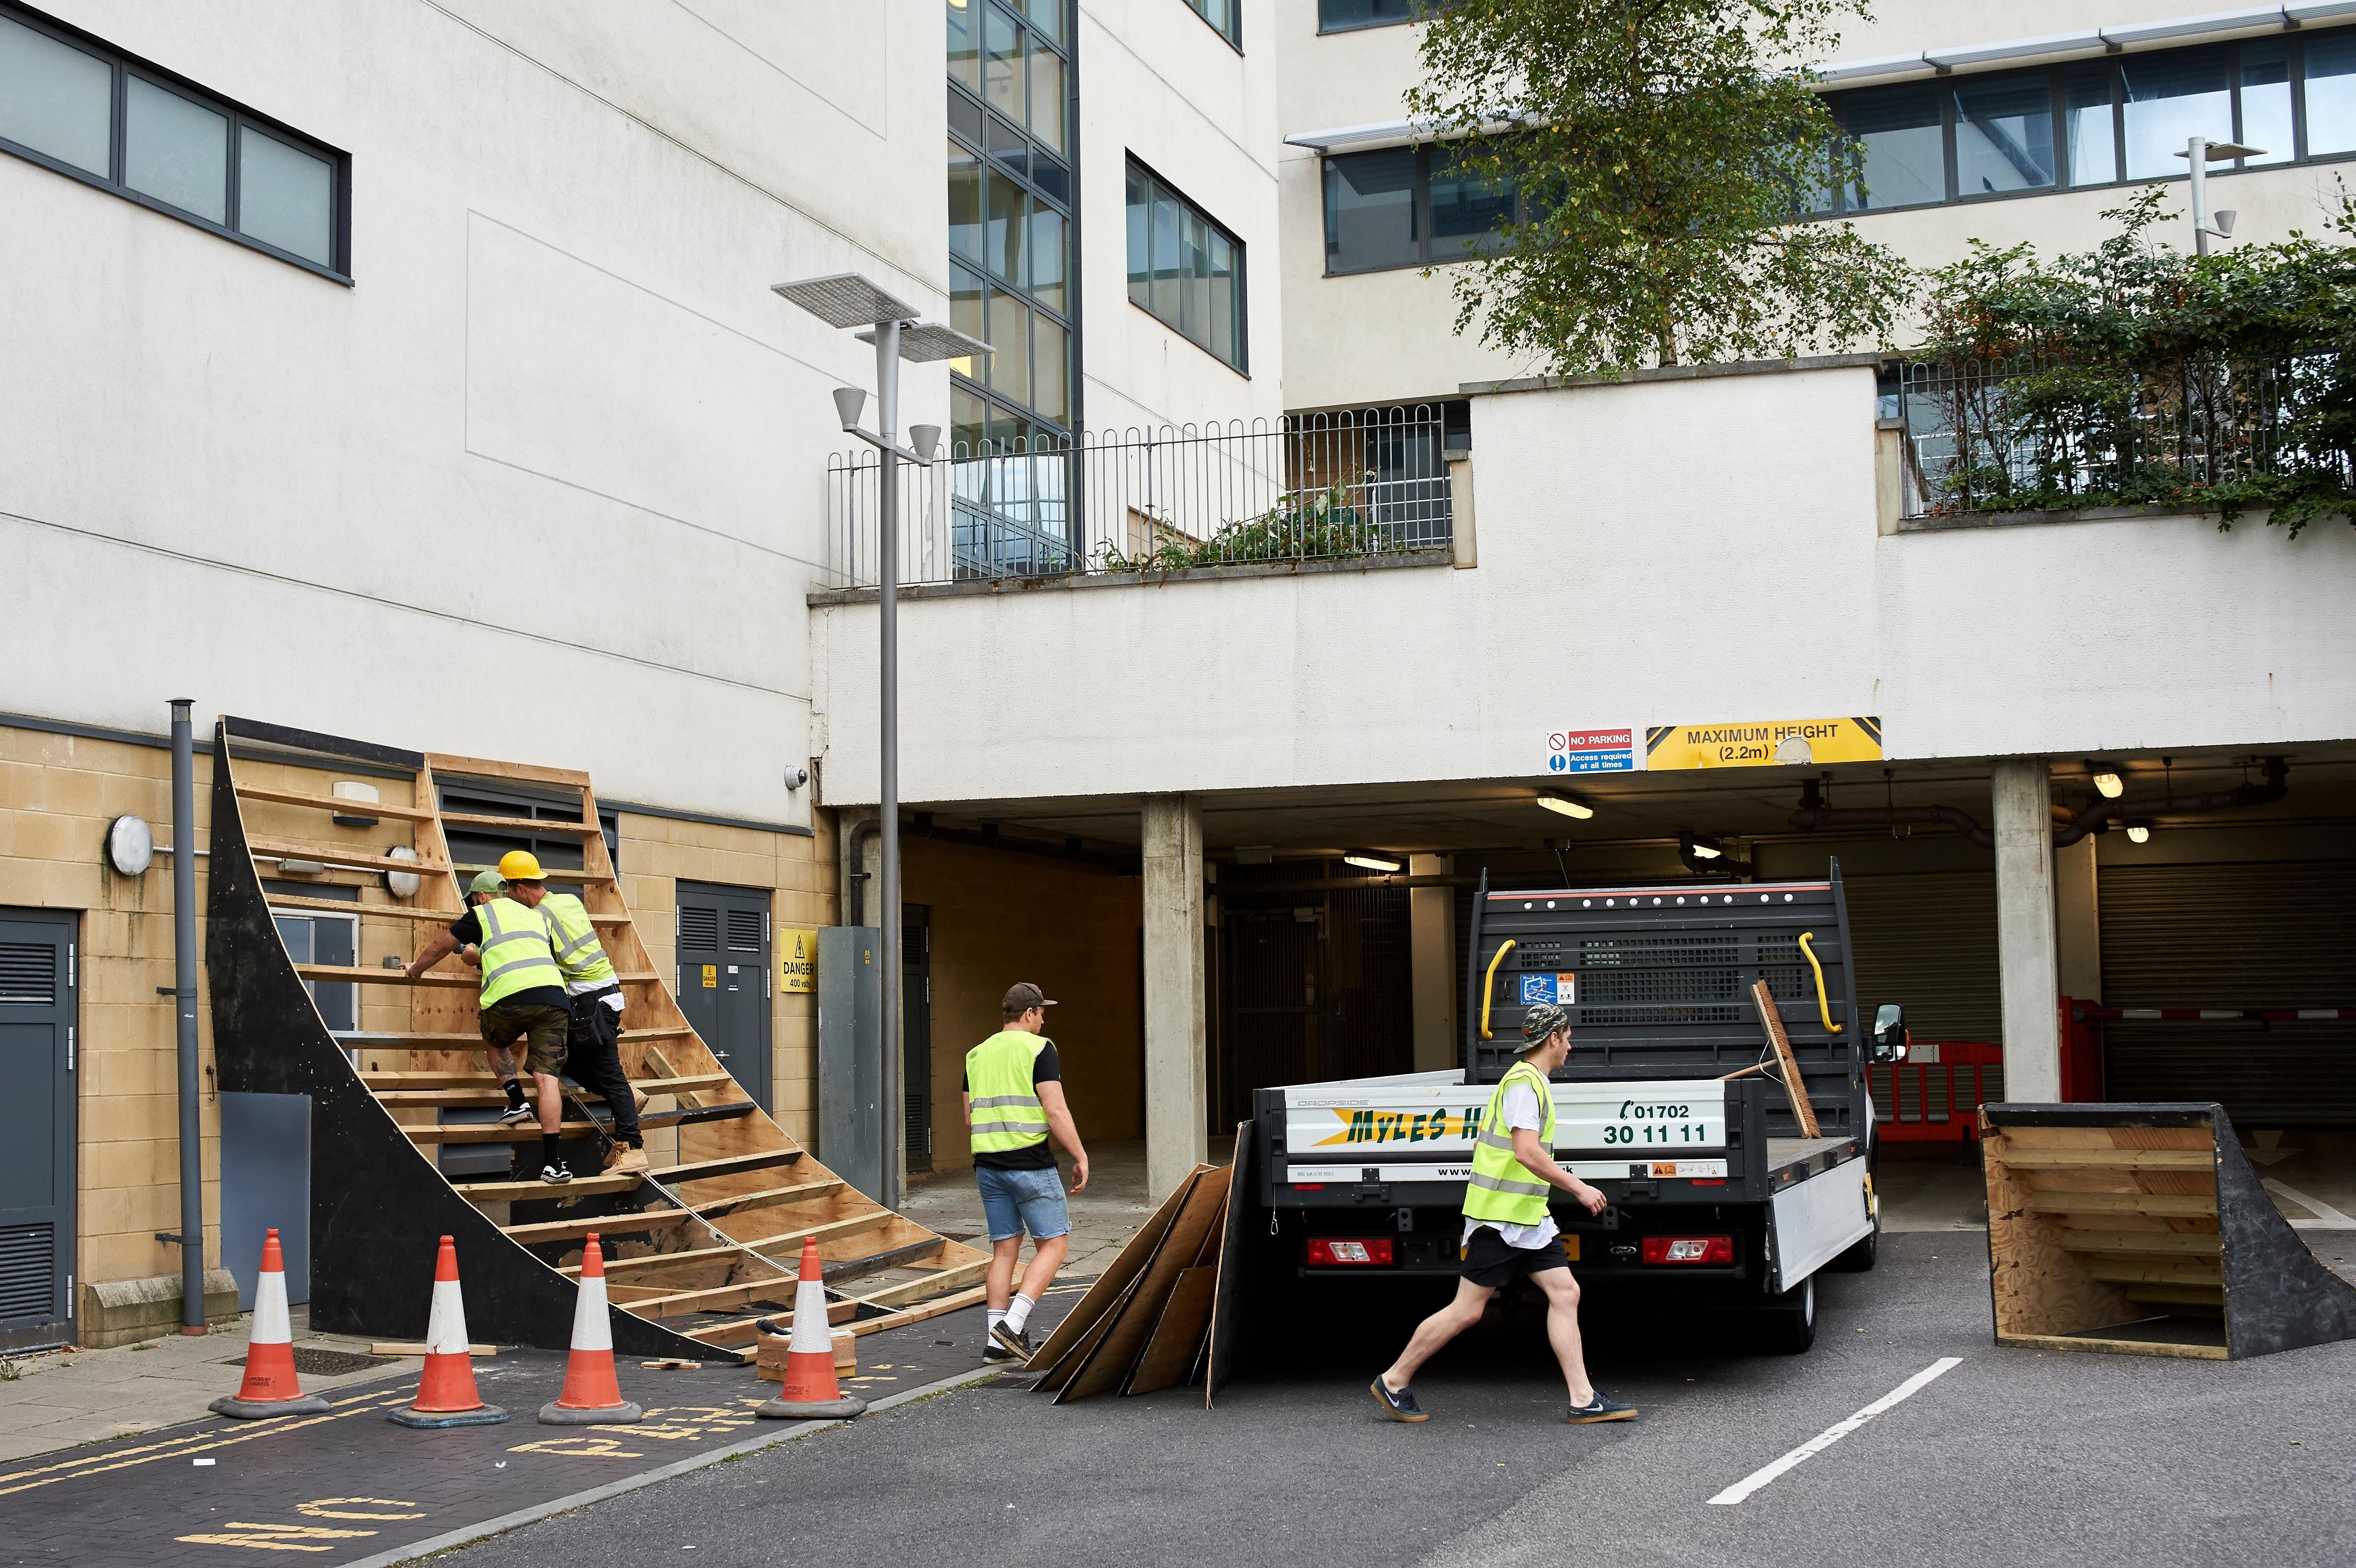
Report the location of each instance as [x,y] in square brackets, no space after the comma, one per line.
[1019,1312]
[996,1318]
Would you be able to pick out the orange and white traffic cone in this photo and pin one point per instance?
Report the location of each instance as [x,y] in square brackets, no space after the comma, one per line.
[810,1392]
[592,1397]
[446,1395]
[270,1386]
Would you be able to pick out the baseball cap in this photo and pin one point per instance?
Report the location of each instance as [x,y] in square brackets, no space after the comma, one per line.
[486,882]
[1541,1020]
[1021,997]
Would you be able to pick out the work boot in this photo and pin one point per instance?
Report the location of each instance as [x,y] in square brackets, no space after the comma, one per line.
[1400,1405]
[1601,1407]
[626,1157]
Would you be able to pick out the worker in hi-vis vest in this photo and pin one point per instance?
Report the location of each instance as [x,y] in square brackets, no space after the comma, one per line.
[523,988]
[507,1061]
[595,994]
[1013,1103]
[1509,1230]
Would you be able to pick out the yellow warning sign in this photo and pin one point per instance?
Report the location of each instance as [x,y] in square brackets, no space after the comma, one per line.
[1764,744]
[712,977]
[797,958]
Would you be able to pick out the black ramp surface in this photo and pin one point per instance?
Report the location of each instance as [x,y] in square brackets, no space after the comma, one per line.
[2012,1458]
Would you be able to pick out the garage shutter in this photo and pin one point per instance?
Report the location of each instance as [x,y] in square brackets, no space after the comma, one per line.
[1928,942]
[2271,935]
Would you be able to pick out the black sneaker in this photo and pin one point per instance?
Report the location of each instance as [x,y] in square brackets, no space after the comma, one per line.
[557,1174]
[1015,1343]
[1399,1406]
[516,1115]
[993,1352]
[1601,1408]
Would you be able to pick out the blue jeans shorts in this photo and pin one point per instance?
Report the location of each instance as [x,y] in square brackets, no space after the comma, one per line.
[1016,1201]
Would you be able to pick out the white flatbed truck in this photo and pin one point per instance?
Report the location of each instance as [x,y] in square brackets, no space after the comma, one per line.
[1716,1199]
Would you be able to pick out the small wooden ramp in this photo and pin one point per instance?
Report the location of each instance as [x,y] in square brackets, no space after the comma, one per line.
[2141,1228]
[695,1248]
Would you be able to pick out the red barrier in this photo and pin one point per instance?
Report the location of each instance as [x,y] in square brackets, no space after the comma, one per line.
[1935,1095]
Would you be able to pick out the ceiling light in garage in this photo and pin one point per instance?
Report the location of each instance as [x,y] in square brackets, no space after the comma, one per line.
[1369,860]
[1702,848]
[2138,833]
[1554,802]
[2107,782]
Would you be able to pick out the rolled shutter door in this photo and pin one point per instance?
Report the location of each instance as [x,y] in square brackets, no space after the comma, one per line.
[2273,934]
[1928,942]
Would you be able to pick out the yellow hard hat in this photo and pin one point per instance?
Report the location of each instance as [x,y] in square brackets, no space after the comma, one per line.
[520,865]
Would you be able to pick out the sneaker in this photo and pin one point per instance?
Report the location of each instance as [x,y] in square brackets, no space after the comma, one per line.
[556,1174]
[994,1352]
[516,1115]
[626,1157]
[1015,1343]
[1602,1407]
[1399,1406]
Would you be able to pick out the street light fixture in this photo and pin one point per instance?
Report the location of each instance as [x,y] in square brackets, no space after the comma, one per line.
[848,300]
[2201,152]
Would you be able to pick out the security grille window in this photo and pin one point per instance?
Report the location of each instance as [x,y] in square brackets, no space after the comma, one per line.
[1184,268]
[1225,17]
[1412,206]
[1012,187]
[71,104]
[2095,122]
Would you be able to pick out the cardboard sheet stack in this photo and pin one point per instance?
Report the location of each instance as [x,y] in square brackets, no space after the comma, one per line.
[1162,1313]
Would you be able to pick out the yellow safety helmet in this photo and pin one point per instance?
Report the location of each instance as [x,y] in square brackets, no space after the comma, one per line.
[520,865]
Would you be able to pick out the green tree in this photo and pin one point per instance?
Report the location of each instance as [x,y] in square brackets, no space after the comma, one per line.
[1668,151]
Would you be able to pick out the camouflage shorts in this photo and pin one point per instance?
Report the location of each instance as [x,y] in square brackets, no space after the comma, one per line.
[543,1030]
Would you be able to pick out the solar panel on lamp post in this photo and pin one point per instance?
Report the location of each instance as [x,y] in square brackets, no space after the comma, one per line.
[846,300]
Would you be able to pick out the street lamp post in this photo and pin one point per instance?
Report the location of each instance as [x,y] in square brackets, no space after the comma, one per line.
[848,300]
[2201,152]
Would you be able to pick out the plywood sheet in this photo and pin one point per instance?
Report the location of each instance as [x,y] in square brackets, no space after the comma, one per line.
[1108,1366]
[1126,1267]
[1169,1352]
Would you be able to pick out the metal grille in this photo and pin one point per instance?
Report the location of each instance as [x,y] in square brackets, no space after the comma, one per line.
[29,974]
[699,931]
[743,931]
[1660,979]
[28,1281]
[1784,970]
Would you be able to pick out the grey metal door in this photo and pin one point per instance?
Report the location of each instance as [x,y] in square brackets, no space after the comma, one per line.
[37,1023]
[724,977]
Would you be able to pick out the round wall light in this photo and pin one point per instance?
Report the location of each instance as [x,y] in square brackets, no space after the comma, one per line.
[130,846]
[401,883]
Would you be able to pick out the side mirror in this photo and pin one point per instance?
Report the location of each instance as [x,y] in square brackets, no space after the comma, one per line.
[1889,1036]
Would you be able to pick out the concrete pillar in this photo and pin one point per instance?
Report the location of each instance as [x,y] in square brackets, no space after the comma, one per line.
[1431,963]
[1177,1081]
[2023,801]
[2077,922]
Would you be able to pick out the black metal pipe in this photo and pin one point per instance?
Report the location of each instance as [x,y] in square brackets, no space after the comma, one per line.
[1812,816]
[184,999]
[855,863]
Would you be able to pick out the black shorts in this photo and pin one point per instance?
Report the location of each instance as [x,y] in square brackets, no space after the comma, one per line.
[1493,1263]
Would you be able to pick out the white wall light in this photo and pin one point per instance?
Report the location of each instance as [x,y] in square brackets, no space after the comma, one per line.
[1555,801]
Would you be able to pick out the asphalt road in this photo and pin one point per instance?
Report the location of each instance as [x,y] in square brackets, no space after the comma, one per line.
[2012,1457]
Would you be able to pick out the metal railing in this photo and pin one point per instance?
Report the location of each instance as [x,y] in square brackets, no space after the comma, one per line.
[2029,435]
[1308,487]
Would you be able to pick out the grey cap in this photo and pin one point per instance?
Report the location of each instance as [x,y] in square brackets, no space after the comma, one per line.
[486,882]
[1542,1020]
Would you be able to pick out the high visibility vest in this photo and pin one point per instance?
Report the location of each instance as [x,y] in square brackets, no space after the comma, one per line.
[1503,1190]
[517,953]
[579,953]
[1007,1115]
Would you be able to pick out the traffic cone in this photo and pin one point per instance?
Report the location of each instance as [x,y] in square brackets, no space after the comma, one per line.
[810,1392]
[270,1386]
[446,1390]
[592,1397]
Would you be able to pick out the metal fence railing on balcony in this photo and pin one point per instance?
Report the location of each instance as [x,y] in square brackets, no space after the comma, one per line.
[2025,434]
[1308,488]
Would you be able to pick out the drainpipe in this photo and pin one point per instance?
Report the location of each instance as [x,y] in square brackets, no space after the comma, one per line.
[855,871]
[184,998]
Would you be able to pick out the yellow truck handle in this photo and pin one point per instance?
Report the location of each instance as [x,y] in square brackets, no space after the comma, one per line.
[1489,984]
[1822,1007]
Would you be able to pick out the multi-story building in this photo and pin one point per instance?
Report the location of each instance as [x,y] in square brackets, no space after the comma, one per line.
[411,373]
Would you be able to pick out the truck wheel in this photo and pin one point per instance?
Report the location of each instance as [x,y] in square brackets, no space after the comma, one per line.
[1860,1257]
[1789,1326]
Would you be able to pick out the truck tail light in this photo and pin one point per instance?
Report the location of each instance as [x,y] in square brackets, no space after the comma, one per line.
[1373,1249]
[1705,1250]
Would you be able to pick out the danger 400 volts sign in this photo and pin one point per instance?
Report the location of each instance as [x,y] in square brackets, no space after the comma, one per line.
[797,959]
[1767,742]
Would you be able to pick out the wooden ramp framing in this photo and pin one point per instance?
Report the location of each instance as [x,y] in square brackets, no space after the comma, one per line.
[697,1249]
[2141,1228]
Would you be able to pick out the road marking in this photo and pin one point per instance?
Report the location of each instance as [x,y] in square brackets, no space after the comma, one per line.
[2326,1217]
[1833,1434]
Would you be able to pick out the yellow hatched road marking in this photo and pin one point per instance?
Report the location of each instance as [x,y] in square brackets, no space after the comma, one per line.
[130,1459]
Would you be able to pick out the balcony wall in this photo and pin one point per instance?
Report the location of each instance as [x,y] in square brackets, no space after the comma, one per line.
[1664,550]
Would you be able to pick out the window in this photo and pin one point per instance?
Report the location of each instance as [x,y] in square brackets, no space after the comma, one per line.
[1011,189]
[2092,122]
[1184,268]
[1225,17]
[71,104]
[1349,15]
[1410,207]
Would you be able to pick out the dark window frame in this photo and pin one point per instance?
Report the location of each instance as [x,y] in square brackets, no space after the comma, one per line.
[1421,198]
[242,122]
[1232,35]
[1329,29]
[2057,75]
[1241,364]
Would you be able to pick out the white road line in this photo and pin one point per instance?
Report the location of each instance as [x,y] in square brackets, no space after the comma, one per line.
[2326,1217]
[1832,1435]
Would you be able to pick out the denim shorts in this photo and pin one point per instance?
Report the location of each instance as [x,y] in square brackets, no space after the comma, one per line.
[1016,1201]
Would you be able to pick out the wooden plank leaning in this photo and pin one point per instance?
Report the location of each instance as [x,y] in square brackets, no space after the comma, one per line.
[1771,1020]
